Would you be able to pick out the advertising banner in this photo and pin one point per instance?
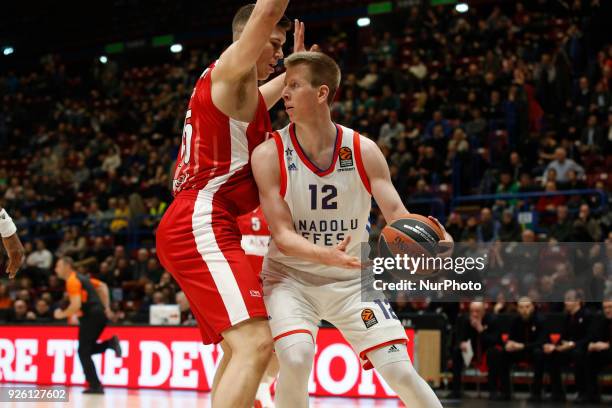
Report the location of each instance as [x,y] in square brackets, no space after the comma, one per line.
[167,358]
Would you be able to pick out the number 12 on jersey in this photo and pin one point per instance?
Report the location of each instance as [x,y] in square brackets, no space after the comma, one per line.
[328,193]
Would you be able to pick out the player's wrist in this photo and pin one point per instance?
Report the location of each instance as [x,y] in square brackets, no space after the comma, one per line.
[7,226]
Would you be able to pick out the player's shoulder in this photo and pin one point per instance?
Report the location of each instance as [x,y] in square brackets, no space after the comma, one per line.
[367,145]
[265,151]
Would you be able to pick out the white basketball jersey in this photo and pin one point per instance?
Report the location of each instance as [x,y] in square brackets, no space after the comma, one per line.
[326,204]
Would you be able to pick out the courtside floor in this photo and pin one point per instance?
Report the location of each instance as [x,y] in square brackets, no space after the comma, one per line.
[132,398]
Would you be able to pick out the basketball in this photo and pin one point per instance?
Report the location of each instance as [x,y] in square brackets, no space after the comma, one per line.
[413,235]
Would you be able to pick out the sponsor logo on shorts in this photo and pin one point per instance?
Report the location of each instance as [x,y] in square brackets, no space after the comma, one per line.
[346,157]
[393,349]
[368,317]
[255,293]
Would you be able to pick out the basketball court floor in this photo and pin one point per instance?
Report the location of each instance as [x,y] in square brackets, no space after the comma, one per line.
[121,397]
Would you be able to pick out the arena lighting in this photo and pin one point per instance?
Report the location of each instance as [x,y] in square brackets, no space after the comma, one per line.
[462,7]
[176,48]
[363,22]
[8,50]
[103,59]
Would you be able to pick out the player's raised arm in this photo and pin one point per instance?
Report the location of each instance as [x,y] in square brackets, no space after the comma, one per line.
[265,165]
[240,58]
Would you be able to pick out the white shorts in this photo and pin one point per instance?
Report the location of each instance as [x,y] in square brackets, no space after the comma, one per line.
[298,301]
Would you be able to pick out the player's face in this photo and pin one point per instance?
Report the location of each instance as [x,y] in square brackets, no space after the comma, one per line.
[272,52]
[60,268]
[300,97]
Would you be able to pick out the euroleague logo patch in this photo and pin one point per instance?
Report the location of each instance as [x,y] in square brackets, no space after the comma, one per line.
[346,157]
[368,317]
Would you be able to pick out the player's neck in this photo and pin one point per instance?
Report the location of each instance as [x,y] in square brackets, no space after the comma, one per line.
[316,135]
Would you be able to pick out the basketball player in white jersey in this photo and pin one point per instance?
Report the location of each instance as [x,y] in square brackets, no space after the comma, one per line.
[315,181]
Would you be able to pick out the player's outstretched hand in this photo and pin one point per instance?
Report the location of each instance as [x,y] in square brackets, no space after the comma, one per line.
[339,257]
[298,38]
[445,245]
[16,254]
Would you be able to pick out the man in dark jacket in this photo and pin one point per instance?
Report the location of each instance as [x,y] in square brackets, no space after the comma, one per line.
[571,348]
[598,353]
[524,343]
[477,330]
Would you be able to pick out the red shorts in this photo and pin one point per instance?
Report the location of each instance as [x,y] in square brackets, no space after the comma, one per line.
[198,242]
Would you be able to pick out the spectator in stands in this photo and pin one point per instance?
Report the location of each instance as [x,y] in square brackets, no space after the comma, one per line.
[548,204]
[571,347]
[562,229]
[586,228]
[573,183]
[510,230]
[154,270]
[5,300]
[186,315]
[19,312]
[592,139]
[488,228]
[121,216]
[454,225]
[391,131]
[598,353]
[476,331]
[43,312]
[524,344]
[39,262]
[561,164]
[73,245]
[438,119]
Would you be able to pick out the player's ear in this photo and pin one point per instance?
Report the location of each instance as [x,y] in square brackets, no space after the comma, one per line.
[323,93]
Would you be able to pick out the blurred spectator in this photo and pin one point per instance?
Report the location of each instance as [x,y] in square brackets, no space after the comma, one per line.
[5,300]
[562,229]
[571,348]
[524,343]
[598,353]
[586,228]
[20,312]
[41,258]
[509,230]
[561,164]
[43,312]
[186,315]
[391,131]
[477,331]
[488,229]
[592,138]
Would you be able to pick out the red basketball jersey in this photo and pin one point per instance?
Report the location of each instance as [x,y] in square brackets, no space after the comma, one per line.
[255,237]
[214,156]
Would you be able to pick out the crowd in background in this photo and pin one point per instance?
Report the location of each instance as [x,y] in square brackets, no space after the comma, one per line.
[512,99]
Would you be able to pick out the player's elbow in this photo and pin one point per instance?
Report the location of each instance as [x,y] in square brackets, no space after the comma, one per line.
[282,244]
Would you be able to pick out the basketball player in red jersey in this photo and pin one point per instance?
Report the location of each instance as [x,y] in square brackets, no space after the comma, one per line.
[255,239]
[198,240]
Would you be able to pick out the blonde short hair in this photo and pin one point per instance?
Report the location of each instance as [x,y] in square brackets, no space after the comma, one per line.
[323,70]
